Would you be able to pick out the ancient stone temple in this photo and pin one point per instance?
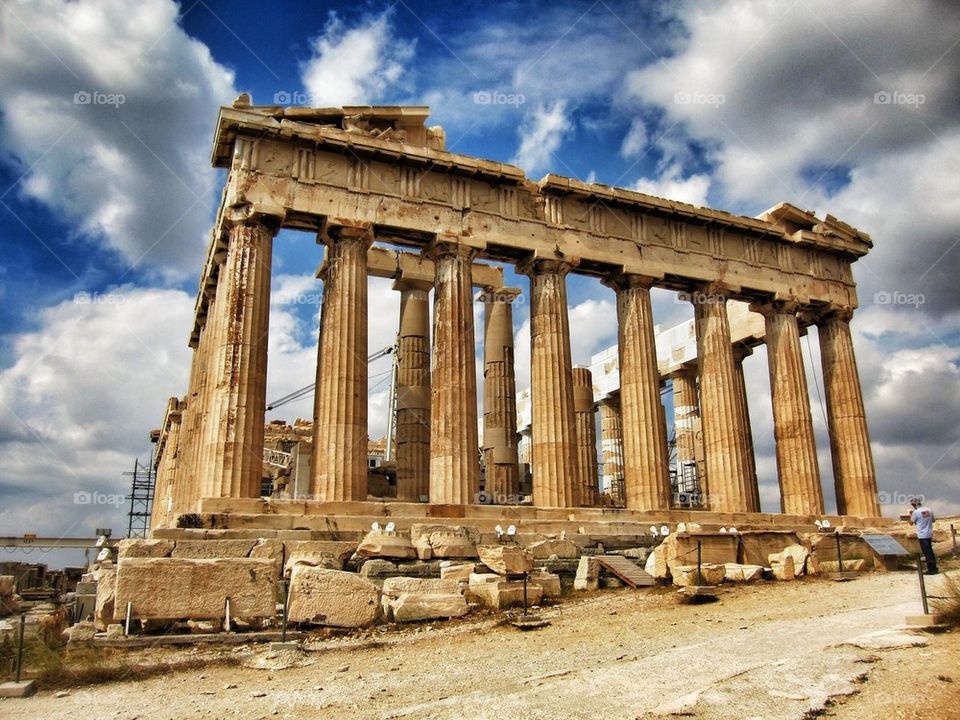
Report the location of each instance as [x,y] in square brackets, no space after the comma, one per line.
[356,178]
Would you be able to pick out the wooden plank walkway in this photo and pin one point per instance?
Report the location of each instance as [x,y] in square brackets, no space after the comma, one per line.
[631,573]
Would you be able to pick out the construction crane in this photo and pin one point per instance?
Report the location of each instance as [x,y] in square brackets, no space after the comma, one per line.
[307,389]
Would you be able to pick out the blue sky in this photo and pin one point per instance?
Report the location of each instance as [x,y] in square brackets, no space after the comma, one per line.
[105,206]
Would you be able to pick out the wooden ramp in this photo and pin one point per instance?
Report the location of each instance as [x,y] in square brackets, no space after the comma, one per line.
[631,573]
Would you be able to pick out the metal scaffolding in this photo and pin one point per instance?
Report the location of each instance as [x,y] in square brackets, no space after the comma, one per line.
[142,481]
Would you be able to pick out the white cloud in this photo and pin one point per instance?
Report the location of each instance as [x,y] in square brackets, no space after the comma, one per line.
[541,136]
[672,186]
[636,140]
[362,65]
[133,174]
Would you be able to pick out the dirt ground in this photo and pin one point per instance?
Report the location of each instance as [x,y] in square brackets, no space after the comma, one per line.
[811,648]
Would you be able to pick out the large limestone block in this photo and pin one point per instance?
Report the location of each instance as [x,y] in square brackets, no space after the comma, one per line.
[172,588]
[506,593]
[680,549]
[134,547]
[8,584]
[331,597]
[397,586]
[444,541]
[484,577]
[756,547]
[546,549]
[710,574]
[506,559]
[458,572]
[412,607]
[419,530]
[549,583]
[823,547]
[106,598]
[269,549]
[856,565]
[798,553]
[379,544]
[783,569]
[588,574]
[323,553]
[736,572]
[377,567]
[211,549]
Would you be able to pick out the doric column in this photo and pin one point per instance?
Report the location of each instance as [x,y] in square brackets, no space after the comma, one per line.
[739,353]
[645,468]
[686,423]
[585,494]
[500,438]
[339,469]
[185,488]
[728,473]
[413,391]
[554,450]
[800,490]
[208,458]
[853,470]
[454,442]
[239,379]
[611,447]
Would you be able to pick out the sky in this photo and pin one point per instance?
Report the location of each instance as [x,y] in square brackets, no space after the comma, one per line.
[107,195]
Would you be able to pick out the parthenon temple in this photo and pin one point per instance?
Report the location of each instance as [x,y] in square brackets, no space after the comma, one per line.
[380,193]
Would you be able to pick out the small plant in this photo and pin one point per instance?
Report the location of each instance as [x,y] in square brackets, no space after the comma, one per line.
[947,605]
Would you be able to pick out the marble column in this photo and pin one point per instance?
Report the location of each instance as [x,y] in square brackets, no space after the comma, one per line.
[728,469]
[454,441]
[645,469]
[339,469]
[500,438]
[800,490]
[853,469]
[554,450]
[611,447]
[185,489]
[686,423]
[586,493]
[208,456]
[239,380]
[413,391]
[740,352]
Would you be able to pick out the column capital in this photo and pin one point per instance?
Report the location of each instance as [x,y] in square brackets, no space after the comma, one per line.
[250,214]
[402,283]
[709,293]
[345,232]
[823,313]
[625,281]
[445,247]
[776,307]
[534,265]
[741,351]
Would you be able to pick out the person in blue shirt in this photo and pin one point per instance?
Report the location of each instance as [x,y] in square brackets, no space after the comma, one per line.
[922,519]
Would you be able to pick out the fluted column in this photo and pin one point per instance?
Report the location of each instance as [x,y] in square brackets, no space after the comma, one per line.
[585,417]
[728,474]
[554,450]
[739,353]
[239,380]
[645,469]
[611,447]
[853,469]
[500,438]
[185,487]
[339,469]
[800,490]
[413,391]
[686,423]
[454,442]
[208,456]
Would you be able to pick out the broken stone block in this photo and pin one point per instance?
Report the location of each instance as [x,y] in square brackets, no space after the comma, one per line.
[548,582]
[588,574]
[418,568]
[80,633]
[173,588]
[800,555]
[114,630]
[8,584]
[830,566]
[743,573]
[480,578]
[711,574]
[377,567]
[506,593]
[106,594]
[444,541]
[506,559]
[546,549]
[396,586]
[756,547]
[457,571]
[145,548]
[312,559]
[411,607]
[332,553]
[331,597]
[269,549]
[681,549]
[212,549]
[783,569]
[379,544]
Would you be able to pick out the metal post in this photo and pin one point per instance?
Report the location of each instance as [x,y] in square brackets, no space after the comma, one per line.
[226,624]
[699,559]
[839,556]
[23,622]
[923,586]
[953,532]
[286,598]
[126,626]
[524,593]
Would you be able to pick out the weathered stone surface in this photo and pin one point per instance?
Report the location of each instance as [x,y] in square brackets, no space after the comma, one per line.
[823,546]
[212,549]
[444,541]
[313,560]
[106,596]
[326,553]
[80,633]
[269,549]
[331,597]
[711,574]
[415,606]
[783,569]
[681,549]
[830,566]
[378,544]
[506,559]
[458,571]
[172,588]
[743,573]
[800,555]
[377,567]
[396,586]
[588,574]
[133,547]
[483,577]
[756,547]
[506,593]
[8,584]
[546,549]
[549,583]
